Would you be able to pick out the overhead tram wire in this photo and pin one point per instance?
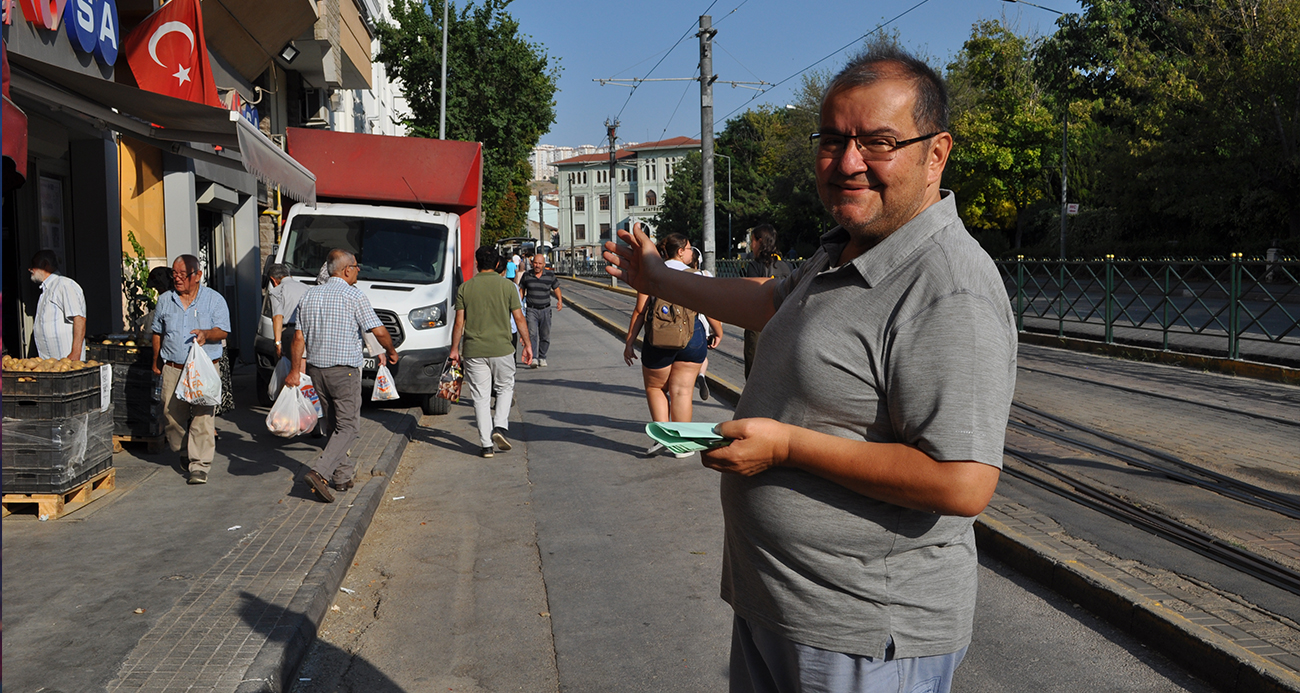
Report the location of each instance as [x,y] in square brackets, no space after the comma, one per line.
[677,107]
[661,60]
[832,54]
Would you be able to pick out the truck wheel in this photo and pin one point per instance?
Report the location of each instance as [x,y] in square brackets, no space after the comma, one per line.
[433,404]
[263,382]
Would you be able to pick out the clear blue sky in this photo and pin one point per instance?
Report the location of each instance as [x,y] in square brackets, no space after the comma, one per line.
[757,40]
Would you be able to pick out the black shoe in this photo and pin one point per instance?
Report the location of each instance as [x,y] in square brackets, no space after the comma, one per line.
[318,485]
[485,452]
[703,383]
[499,437]
[342,487]
[197,478]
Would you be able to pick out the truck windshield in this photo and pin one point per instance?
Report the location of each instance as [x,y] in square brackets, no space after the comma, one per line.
[388,250]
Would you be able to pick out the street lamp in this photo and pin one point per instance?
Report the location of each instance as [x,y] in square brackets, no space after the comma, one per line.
[729,246]
[1065,139]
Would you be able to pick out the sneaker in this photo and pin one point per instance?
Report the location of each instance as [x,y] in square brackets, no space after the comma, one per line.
[534,364]
[702,383]
[485,452]
[543,362]
[198,478]
[654,450]
[499,437]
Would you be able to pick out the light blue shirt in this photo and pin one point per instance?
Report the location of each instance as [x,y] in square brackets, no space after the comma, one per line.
[176,323]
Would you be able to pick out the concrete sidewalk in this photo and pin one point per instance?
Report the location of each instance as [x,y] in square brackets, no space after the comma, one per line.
[160,586]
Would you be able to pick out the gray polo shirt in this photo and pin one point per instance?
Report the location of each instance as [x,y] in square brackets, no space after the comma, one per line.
[912,342]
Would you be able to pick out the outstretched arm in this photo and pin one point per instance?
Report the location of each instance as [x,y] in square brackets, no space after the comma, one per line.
[748,303]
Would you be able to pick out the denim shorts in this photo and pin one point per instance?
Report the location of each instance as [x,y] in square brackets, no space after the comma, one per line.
[696,351]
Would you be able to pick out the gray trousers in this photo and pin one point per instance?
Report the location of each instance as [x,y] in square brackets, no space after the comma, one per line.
[488,377]
[339,389]
[765,662]
[539,330]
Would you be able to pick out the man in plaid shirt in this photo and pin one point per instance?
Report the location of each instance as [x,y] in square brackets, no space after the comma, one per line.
[331,319]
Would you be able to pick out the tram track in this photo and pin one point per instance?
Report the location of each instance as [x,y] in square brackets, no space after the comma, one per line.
[1037,468]
[1160,395]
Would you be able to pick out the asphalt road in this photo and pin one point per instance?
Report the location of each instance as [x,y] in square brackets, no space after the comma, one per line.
[571,563]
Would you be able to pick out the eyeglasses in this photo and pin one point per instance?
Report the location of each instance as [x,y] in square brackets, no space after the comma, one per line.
[355,267]
[831,145]
[183,274]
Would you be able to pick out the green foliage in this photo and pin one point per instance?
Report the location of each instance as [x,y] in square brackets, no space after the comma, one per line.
[140,299]
[500,91]
[1003,134]
[682,208]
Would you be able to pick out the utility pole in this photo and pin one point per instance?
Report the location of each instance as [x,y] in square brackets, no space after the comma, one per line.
[611,129]
[707,77]
[442,95]
[1065,138]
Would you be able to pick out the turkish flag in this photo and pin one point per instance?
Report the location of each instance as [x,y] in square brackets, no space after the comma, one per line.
[168,55]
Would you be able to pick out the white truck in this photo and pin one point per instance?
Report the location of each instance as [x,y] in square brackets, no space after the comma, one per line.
[409,209]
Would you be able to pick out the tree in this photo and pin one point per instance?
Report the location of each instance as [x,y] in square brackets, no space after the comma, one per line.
[682,208]
[1003,133]
[500,91]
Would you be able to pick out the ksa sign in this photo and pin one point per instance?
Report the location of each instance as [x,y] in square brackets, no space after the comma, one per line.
[91,24]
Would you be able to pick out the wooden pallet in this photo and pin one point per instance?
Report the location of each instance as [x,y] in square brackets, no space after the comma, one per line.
[155,443]
[51,506]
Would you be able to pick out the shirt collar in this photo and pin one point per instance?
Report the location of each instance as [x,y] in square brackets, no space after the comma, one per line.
[677,265]
[875,264]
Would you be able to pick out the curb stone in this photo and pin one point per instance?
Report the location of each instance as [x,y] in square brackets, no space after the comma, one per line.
[276,662]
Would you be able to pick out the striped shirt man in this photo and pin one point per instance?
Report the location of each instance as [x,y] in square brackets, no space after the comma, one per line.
[332,317]
[61,301]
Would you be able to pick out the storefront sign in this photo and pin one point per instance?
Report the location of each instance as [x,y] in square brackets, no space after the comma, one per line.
[92,26]
[46,13]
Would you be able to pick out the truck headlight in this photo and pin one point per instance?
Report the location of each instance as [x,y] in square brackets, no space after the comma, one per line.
[429,316]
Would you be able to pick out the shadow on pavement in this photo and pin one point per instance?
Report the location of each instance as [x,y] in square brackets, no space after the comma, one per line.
[335,670]
[592,385]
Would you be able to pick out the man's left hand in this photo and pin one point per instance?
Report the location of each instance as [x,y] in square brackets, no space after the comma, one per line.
[200,336]
[756,446]
[559,306]
[392,356]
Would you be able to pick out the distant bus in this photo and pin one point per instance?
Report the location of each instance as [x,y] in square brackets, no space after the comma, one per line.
[524,246]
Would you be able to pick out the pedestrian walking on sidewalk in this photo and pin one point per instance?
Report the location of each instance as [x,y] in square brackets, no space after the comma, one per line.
[712,331]
[188,314]
[668,372]
[285,293]
[485,306]
[869,434]
[537,287]
[330,322]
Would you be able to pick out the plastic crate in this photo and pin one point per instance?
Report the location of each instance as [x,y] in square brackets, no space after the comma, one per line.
[56,407]
[32,383]
[37,481]
[142,352]
[56,444]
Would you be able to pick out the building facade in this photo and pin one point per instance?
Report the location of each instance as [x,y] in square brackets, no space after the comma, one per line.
[587,212]
[110,169]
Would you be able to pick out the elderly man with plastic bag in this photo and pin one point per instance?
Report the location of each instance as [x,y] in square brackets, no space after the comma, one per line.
[331,319]
[189,314]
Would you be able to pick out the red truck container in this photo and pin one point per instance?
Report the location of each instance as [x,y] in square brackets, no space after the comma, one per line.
[409,208]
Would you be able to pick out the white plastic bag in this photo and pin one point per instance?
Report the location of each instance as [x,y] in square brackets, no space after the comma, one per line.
[200,383]
[292,413]
[384,387]
[277,378]
[309,391]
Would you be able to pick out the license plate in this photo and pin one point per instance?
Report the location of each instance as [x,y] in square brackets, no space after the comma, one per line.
[370,364]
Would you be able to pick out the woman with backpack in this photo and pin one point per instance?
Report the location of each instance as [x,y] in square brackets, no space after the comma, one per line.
[766,263]
[673,346]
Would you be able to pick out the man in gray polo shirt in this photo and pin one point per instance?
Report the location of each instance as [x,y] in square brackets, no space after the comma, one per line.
[870,430]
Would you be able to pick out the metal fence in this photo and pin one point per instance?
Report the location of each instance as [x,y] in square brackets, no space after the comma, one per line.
[1234,301]
[1217,305]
